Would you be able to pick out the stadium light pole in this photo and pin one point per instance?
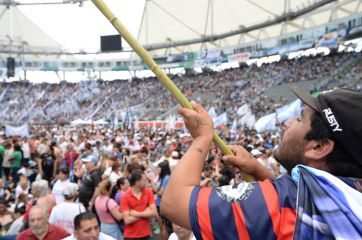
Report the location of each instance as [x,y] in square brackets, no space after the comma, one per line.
[161,75]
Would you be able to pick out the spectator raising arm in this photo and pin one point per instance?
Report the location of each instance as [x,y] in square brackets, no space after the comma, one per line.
[175,199]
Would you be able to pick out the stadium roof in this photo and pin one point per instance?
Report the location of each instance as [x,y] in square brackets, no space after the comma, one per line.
[193,25]
[178,26]
[17,29]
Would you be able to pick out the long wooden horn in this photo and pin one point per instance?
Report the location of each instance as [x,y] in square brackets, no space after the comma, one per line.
[161,75]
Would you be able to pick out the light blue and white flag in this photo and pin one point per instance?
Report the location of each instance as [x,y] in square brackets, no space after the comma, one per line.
[136,122]
[327,207]
[220,120]
[289,111]
[266,123]
[212,113]
[244,109]
[234,127]
[248,120]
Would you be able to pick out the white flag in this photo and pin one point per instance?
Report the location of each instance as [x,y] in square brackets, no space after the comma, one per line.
[115,122]
[289,111]
[21,131]
[250,122]
[137,123]
[266,123]
[243,110]
[234,128]
[3,72]
[170,122]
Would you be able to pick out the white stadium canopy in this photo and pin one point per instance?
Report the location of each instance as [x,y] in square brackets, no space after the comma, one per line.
[16,28]
[164,25]
[189,21]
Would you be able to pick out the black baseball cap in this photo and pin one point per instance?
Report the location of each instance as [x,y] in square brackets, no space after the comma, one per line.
[341,110]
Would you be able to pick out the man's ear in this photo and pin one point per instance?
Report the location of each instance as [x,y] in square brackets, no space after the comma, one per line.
[318,149]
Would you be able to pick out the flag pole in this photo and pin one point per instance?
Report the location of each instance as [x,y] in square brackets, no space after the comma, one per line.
[160,74]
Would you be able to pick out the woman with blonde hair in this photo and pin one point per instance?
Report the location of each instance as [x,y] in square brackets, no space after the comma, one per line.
[108,211]
[105,161]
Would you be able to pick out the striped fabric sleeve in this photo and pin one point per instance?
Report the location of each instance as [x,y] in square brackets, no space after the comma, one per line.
[247,211]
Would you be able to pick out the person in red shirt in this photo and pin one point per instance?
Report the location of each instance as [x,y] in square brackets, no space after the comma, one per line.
[138,206]
[39,227]
[70,156]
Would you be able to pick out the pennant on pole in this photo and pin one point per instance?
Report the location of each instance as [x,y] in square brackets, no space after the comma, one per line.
[244,109]
[212,113]
[289,111]
[266,123]
[234,127]
[220,120]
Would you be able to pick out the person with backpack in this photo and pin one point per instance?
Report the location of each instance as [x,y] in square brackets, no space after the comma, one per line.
[108,211]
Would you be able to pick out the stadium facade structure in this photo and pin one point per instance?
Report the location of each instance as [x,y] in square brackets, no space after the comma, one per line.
[192,33]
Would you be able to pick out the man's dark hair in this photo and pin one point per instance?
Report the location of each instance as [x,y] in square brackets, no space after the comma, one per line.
[88,146]
[120,181]
[83,216]
[17,147]
[223,181]
[131,167]
[64,170]
[339,162]
[135,176]
[208,167]
[20,210]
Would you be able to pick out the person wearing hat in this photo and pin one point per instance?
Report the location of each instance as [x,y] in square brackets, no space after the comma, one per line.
[88,190]
[266,161]
[257,155]
[64,213]
[175,159]
[321,149]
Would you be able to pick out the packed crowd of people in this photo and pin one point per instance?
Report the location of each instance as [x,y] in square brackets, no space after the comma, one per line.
[225,90]
[119,176]
[64,182]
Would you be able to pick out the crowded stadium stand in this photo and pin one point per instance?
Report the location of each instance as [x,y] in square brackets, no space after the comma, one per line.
[93,122]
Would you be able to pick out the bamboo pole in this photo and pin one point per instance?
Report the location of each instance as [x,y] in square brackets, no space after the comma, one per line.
[161,75]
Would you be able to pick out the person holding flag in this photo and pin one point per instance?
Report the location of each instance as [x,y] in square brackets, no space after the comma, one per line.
[321,149]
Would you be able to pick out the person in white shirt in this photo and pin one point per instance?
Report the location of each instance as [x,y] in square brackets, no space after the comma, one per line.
[27,169]
[181,233]
[64,213]
[17,226]
[42,147]
[114,172]
[86,227]
[166,156]
[107,146]
[175,159]
[22,187]
[62,144]
[25,147]
[59,185]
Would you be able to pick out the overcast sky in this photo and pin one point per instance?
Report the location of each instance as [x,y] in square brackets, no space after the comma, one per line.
[81,27]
